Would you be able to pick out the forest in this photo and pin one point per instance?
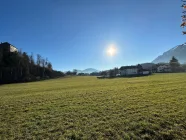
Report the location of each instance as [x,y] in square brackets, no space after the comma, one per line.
[18,67]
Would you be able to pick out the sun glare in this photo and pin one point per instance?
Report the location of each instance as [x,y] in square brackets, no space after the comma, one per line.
[111,50]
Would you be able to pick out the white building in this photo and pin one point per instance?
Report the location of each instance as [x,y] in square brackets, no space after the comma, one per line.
[130,70]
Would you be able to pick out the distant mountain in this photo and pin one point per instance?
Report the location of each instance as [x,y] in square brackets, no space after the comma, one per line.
[89,70]
[179,52]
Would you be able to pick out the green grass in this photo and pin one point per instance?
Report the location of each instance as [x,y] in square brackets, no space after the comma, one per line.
[152,107]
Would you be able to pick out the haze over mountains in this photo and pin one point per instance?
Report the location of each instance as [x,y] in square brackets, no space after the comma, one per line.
[88,70]
[179,52]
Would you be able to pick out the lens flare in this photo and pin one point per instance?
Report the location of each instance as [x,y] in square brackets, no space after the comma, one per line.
[111,50]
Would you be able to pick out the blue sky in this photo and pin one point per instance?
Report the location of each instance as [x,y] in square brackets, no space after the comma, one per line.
[75,33]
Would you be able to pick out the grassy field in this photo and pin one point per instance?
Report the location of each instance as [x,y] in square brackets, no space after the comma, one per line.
[152,107]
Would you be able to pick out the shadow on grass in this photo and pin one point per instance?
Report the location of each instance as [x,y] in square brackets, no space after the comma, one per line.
[32,81]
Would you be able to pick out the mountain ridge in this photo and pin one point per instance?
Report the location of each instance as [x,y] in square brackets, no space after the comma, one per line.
[179,52]
[88,70]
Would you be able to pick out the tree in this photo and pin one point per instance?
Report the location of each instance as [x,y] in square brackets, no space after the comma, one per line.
[31,62]
[21,67]
[103,73]
[69,73]
[46,62]
[116,71]
[38,60]
[175,65]
[31,59]
[112,73]
[184,67]
[26,64]
[49,66]
[20,62]
[95,73]
[74,72]
[1,58]
[43,66]
[1,64]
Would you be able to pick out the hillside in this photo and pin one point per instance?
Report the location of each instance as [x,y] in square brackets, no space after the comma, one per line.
[179,52]
[17,66]
[85,108]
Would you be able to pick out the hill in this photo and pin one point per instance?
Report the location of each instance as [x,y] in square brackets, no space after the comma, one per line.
[76,108]
[179,52]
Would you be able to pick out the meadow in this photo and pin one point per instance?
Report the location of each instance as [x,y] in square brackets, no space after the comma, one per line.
[151,107]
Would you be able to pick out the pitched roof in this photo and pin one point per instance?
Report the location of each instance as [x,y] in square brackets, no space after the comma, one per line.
[131,67]
[128,67]
[6,44]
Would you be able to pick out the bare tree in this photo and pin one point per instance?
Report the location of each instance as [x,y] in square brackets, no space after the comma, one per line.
[38,60]
[46,62]
[43,66]
[31,61]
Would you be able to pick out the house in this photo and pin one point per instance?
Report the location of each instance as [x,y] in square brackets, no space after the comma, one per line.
[131,70]
[135,70]
[7,48]
[149,67]
[164,68]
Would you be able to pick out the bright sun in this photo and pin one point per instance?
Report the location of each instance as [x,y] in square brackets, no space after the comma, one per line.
[111,50]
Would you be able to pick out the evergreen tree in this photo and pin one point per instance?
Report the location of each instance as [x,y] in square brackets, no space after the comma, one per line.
[49,66]
[175,65]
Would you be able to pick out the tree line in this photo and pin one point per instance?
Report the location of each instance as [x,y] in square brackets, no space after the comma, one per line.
[21,67]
